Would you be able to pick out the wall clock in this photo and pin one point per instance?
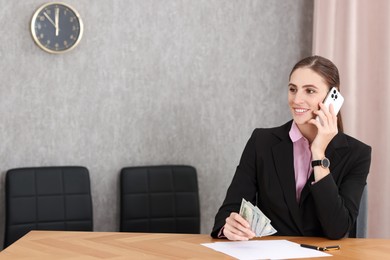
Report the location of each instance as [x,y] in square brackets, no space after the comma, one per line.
[56,27]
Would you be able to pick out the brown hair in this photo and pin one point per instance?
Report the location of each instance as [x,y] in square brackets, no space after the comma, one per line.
[328,71]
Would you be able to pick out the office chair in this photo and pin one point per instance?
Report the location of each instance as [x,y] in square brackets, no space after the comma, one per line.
[161,199]
[47,198]
[359,229]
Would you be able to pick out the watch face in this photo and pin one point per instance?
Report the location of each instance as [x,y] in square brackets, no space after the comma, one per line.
[325,163]
[56,27]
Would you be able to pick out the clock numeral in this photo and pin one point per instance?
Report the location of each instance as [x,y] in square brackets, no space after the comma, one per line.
[66,43]
[41,35]
[41,18]
[71,37]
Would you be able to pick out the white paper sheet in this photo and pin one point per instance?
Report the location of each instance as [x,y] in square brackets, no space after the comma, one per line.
[264,249]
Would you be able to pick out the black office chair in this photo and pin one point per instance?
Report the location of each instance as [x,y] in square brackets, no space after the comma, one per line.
[47,198]
[359,229]
[161,199]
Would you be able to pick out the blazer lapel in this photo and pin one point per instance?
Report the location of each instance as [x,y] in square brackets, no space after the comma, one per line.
[284,164]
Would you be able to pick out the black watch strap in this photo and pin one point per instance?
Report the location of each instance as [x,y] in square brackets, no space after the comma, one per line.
[324,163]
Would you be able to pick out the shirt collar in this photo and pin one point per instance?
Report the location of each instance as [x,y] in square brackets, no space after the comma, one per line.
[294,133]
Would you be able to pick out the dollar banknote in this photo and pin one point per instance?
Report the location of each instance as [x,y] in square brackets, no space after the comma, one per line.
[259,223]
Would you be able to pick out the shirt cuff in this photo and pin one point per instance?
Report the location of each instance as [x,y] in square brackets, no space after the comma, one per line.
[220,233]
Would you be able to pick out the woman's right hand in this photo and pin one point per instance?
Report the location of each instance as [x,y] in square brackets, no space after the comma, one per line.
[237,228]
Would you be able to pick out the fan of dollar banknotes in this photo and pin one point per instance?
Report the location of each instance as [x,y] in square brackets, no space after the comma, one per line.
[259,223]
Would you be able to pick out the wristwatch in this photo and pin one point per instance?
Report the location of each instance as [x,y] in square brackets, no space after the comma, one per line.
[324,163]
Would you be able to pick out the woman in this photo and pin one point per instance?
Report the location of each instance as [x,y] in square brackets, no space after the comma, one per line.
[276,173]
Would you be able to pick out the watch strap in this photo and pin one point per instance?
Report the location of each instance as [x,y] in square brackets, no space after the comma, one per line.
[316,163]
[324,163]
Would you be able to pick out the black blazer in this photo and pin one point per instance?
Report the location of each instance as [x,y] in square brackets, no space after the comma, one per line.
[265,176]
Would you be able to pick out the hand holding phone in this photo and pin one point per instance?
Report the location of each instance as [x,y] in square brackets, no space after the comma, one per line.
[333,97]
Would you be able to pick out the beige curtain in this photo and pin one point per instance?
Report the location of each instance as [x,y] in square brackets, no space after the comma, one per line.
[355,34]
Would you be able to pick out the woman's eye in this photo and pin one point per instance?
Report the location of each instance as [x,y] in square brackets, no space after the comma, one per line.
[310,91]
[292,90]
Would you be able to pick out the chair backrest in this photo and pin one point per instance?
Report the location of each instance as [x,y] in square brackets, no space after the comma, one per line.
[47,198]
[161,199]
[359,229]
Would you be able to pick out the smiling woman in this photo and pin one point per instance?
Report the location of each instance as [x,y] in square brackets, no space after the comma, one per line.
[323,72]
[306,176]
[56,27]
[306,90]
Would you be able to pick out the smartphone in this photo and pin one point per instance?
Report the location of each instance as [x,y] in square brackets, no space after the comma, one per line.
[333,97]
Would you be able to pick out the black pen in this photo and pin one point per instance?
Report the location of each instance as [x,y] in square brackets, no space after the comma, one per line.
[327,248]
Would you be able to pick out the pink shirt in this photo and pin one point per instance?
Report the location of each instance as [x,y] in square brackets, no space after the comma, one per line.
[302,159]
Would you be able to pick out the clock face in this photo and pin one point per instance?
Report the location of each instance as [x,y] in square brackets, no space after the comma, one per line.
[56,27]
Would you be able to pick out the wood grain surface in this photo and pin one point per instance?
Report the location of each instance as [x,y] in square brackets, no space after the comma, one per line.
[119,245]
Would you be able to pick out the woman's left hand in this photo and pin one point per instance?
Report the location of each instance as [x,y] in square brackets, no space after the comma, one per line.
[327,129]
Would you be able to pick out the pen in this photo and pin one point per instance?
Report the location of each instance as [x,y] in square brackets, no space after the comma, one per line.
[327,248]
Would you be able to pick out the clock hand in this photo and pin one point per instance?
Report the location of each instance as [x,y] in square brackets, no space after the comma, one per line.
[50,20]
[56,19]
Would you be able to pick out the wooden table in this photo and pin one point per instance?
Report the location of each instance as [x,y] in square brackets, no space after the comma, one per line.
[55,245]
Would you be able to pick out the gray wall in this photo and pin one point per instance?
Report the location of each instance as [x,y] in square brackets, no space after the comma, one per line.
[152,82]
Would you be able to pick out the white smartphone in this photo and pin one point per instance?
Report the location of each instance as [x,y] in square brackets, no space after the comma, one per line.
[333,97]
